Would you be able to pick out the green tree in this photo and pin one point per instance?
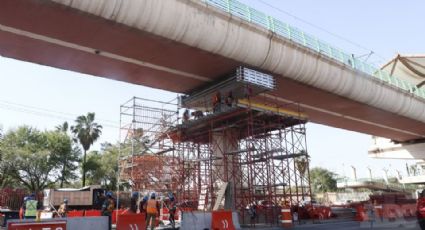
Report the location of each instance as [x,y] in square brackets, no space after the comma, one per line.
[94,169]
[5,178]
[322,180]
[110,165]
[86,131]
[63,127]
[26,155]
[65,154]
[37,159]
[102,166]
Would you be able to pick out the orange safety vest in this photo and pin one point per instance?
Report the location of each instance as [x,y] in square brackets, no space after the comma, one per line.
[151,207]
[216,98]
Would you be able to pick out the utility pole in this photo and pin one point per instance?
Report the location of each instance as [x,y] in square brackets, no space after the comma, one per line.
[354,172]
[370,173]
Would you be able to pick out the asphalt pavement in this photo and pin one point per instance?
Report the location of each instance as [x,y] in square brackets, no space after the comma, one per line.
[349,225]
[354,225]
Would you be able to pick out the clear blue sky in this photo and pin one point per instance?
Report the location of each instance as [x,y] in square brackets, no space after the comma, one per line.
[44,97]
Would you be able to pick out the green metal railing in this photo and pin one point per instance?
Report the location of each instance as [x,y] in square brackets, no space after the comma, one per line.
[252,15]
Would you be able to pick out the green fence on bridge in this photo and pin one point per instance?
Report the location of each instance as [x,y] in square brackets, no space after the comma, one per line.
[294,34]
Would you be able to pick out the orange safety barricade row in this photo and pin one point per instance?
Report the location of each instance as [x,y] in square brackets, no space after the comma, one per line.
[75,213]
[114,214]
[222,220]
[93,213]
[131,221]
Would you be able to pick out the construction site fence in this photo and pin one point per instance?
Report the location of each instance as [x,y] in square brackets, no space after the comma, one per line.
[14,198]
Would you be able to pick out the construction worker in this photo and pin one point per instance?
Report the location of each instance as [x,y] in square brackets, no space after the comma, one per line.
[142,206]
[133,202]
[152,209]
[217,102]
[108,207]
[31,207]
[253,212]
[186,115]
[229,99]
[63,208]
[100,199]
[172,208]
[197,114]
[370,212]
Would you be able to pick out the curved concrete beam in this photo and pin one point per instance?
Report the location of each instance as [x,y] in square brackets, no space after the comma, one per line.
[197,24]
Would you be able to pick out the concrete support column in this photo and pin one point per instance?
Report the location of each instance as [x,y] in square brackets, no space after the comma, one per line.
[224,142]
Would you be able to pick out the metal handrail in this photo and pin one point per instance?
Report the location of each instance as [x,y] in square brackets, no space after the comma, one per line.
[283,29]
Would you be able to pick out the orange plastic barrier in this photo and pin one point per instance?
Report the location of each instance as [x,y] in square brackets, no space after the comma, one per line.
[165,214]
[391,212]
[75,213]
[93,213]
[409,210]
[37,225]
[361,213]
[286,217]
[131,221]
[114,214]
[222,220]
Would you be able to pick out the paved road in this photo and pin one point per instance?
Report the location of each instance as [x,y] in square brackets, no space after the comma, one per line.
[352,225]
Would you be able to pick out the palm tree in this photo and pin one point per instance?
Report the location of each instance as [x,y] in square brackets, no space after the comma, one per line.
[86,132]
[62,128]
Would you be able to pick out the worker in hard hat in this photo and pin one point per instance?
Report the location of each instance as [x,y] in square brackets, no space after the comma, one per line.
[63,208]
[143,205]
[133,202]
[172,208]
[216,102]
[108,207]
[186,115]
[31,205]
[152,209]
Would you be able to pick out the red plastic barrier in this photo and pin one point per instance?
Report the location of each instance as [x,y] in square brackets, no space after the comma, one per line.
[222,220]
[131,221]
[409,210]
[114,214]
[361,213]
[165,214]
[75,213]
[420,207]
[93,213]
[37,225]
[286,218]
[324,212]
[391,211]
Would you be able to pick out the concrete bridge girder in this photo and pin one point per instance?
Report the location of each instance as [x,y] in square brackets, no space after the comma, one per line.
[213,43]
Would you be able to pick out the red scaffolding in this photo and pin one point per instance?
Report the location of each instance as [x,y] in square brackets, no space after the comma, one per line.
[249,151]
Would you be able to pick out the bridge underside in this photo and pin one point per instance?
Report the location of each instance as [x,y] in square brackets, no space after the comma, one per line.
[53,35]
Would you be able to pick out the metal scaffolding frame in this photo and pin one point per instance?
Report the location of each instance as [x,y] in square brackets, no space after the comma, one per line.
[260,156]
[147,161]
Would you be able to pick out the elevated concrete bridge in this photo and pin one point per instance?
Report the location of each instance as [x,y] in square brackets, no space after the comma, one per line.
[180,45]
